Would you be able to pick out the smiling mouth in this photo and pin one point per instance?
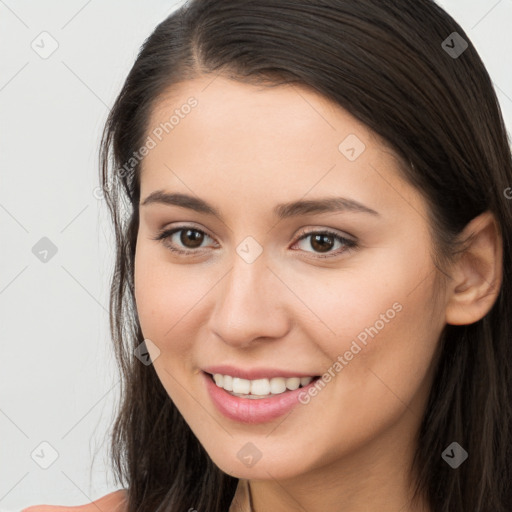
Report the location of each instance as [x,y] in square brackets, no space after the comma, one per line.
[259,388]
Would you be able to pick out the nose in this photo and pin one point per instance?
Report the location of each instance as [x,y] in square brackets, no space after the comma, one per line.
[251,304]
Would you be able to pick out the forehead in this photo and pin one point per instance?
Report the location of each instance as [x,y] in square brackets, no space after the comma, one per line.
[224,135]
[295,112]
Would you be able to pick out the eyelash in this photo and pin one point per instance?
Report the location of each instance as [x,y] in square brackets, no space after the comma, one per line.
[349,244]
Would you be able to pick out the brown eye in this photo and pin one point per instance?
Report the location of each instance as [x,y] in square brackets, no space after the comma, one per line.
[189,240]
[324,241]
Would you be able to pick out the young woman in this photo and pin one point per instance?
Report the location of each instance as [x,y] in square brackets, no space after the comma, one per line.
[311,305]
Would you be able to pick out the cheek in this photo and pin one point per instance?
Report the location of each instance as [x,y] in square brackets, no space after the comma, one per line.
[377,309]
[155,294]
[168,299]
[380,356]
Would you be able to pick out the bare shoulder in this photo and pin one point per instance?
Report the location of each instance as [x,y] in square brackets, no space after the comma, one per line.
[113,502]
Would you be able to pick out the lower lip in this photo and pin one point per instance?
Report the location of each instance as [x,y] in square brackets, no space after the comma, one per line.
[257,410]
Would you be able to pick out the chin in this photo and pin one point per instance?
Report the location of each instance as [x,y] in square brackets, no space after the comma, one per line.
[265,468]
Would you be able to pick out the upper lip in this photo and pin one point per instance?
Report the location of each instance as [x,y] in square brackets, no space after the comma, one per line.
[254,373]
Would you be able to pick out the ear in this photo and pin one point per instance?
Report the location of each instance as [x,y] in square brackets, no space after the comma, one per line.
[477,273]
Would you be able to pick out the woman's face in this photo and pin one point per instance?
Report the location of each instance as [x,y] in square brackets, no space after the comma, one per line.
[263,292]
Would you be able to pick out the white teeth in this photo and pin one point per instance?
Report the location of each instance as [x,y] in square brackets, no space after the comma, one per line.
[259,387]
[242,386]
[304,381]
[228,383]
[277,385]
[293,383]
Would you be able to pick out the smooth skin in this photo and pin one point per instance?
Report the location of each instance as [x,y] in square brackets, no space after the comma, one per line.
[244,149]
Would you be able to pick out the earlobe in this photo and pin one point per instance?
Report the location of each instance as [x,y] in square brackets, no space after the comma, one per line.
[477,273]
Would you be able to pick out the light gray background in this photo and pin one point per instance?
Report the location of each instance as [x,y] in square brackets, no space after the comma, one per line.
[58,381]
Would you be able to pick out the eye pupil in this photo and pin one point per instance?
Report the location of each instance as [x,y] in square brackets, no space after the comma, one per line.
[318,242]
[196,240]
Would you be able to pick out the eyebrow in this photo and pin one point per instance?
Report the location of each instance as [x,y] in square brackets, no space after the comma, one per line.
[281,211]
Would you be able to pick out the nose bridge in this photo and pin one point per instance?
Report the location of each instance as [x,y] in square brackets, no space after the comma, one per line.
[249,303]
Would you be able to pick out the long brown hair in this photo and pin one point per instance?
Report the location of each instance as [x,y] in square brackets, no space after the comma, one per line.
[387,64]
